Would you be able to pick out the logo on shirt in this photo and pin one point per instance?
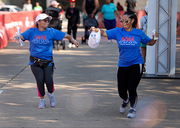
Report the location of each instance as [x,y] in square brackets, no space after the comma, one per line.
[40,39]
[127,41]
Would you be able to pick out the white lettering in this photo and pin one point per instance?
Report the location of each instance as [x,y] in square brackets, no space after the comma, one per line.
[29,23]
[13,24]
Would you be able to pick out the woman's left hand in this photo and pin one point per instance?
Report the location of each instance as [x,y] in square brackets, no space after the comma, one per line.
[155,35]
[76,43]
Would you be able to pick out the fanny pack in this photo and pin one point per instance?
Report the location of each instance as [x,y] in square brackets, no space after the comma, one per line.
[40,62]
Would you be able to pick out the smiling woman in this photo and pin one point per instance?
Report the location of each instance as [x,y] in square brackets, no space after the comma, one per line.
[130,63]
[41,55]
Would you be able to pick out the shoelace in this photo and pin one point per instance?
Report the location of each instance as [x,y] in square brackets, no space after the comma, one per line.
[132,111]
[124,104]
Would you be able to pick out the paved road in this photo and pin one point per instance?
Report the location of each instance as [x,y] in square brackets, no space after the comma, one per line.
[86,92]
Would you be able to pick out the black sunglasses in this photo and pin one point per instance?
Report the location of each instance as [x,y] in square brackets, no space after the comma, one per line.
[45,20]
[124,21]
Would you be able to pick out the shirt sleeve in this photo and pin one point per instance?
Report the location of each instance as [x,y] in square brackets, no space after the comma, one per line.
[144,38]
[58,35]
[26,34]
[115,8]
[102,10]
[112,33]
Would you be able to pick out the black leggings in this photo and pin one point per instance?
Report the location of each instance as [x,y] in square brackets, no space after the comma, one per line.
[43,75]
[74,30]
[128,80]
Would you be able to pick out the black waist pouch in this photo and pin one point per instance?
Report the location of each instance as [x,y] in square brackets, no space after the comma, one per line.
[40,62]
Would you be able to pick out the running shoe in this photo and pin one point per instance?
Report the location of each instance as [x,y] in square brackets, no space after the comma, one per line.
[52,99]
[70,45]
[73,45]
[132,113]
[123,107]
[42,104]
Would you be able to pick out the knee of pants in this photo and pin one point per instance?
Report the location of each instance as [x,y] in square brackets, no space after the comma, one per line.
[132,93]
[40,83]
[123,94]
[49,82]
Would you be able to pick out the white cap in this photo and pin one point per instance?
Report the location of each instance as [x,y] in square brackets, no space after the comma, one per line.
[42,16]
[54,2]
[146,9]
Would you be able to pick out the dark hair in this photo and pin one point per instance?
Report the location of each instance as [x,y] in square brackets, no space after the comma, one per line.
[132,15]
[146,13]
[37,25]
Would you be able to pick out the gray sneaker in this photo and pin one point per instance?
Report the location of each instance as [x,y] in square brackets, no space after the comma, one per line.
[42,103]
[52,99]
[123,107]
[132,113]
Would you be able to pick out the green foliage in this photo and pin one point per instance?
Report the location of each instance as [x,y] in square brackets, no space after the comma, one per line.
[4,1]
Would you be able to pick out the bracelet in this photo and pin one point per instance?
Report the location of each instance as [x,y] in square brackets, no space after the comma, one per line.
[72,40]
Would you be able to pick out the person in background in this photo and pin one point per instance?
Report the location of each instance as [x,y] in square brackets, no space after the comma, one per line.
[28,6]
[89,7]
[54,3]
[38,7]
[54,11]
[143,27]
[108,11]
[130,59]
[61,14]
[177,26]
[41,55]
[119,7]
[131,4]
[72,14]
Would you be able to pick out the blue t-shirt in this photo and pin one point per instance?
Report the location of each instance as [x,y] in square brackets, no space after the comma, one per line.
[41,42]
[129,45]
[108,11]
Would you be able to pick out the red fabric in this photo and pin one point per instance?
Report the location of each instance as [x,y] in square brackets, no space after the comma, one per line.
[119,7]
[178,28]
[3,38]
[24,19]
[72,0]
[9,21]
[3,35]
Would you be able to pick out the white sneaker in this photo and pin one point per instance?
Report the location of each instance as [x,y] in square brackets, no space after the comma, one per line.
[109,41]
[132,113]
[52,99]
[42,104]
[70,45]
[73,46]
[123,107]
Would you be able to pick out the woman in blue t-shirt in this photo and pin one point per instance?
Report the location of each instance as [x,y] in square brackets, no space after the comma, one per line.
[130,63]
[41,56]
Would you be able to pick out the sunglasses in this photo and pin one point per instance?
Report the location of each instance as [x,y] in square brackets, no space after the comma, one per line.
[45,20]
[124,21]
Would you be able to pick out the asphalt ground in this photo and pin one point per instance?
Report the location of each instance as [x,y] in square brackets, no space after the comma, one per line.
[85,91]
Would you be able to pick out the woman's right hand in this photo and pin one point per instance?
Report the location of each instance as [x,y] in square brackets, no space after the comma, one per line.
[17,36]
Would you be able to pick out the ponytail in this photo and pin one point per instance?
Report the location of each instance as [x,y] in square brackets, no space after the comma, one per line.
[132,15]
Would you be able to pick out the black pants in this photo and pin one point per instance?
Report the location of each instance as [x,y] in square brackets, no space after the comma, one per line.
[128,80]
[73,29]
[43,75]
